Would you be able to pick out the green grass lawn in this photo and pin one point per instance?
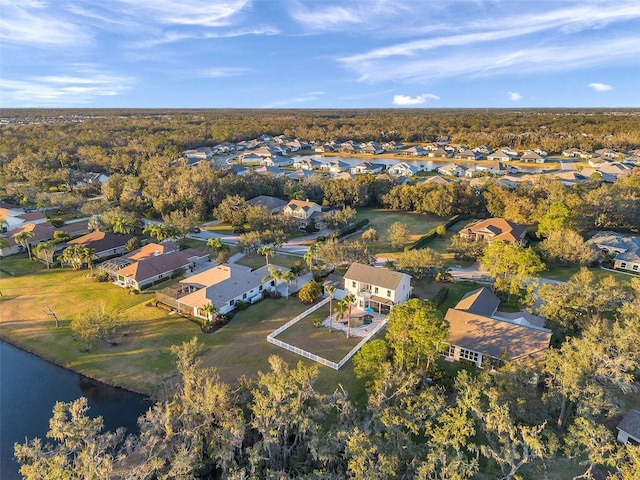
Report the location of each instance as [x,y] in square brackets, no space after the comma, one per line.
[141,360]
[222,228]
[332,345]
[381,219]
[565,273]
[254,260]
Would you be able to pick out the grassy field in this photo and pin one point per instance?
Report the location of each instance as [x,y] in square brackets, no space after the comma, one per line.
[141,360]
[565,273]
[332,345]
[381,219]
[254,260]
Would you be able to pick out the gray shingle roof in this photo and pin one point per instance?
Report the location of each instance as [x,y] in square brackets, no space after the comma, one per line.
[380,277]
[631,423]
[479,302]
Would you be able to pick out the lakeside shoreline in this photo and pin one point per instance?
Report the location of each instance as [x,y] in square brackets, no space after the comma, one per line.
[53,361]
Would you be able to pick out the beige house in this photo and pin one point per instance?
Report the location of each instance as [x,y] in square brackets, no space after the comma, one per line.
[480,334]
[305,212]
[377,288]
[223,286]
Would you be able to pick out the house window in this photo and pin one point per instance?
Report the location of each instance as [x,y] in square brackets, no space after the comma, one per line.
[232,302]
[244,295]
[623,265]
[389,293]
[450,351]
[469,355]
[635,267]
[260,289]
[353,284]
[375,290]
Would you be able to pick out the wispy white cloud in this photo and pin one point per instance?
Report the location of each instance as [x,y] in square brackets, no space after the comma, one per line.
[80,88]
[500,59]
[223,72]
[600,87]
[33,23]
[417,100]
[217,13]
[514,96]
[304,98]
[338,16]
[513,43]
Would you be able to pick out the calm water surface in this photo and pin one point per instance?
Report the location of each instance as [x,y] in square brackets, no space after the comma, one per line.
[30,387]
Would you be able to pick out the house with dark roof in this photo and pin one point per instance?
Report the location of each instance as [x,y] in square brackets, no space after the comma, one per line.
[624,248]
[629,428]
[484,336]
[493,229]
[376,287]
[335,166]
[304,212]
[273,204]
[42,232]
[415,151]
[105,244]
[368,167]
[158,266]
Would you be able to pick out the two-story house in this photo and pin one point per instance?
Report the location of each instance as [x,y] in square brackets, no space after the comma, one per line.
[377,288]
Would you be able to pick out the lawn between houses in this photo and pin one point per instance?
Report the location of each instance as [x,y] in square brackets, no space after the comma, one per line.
[141,360]
[380,219]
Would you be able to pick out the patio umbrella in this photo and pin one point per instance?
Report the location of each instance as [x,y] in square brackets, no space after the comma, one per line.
[369,310]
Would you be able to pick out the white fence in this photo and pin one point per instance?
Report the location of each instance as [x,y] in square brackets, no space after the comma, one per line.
[336,366]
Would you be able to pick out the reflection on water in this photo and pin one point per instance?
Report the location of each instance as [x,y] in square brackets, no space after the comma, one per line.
[30,387]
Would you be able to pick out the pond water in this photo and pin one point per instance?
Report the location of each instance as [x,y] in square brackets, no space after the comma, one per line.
[30,387]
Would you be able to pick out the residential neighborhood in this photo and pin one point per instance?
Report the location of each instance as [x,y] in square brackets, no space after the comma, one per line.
[436,272]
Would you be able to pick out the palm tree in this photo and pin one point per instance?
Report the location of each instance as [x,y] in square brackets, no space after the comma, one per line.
[45,251]
[310,255]
[74,255]
[95,223]
[121,225]
[341,309]
[350,298]
[331,290]
[23,239]
[160,232]
[265,251]
[210,310]
[89,255]
[280,276]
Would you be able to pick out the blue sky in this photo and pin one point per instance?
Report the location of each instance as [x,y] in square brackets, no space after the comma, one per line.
[319,54]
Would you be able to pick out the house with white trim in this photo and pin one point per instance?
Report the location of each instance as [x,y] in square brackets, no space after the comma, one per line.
[625,248]
[377,288]
[224,286]
[485,337]
[403,169]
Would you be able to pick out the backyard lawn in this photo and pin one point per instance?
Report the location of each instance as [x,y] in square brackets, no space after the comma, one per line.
[381,219]
[332,345]
[141,360]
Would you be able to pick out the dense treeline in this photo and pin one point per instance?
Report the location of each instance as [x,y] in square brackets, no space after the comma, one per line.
[592,205]
[112,141]
[522,421]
